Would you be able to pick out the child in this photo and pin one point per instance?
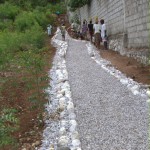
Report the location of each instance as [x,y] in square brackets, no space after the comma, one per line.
[63,31]
[49,30]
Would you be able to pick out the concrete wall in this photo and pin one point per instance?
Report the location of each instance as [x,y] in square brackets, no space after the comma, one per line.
[127,21]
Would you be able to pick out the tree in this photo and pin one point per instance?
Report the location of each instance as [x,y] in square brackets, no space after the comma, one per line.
[74,4]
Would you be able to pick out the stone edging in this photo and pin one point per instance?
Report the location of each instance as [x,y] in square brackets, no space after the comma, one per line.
[61,126]
[134,87]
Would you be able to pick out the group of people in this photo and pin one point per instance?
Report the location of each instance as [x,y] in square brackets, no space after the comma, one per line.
[96,31]
[62,28]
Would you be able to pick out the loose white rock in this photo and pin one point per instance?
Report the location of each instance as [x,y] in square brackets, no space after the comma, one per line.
[77,148]
[63,123]
[135,92]
[70,107]
[61,92]
[72,115]
[72,128]
[135,87]
[62,106]
[62,131]
[123,81]
[75,135]
[58,71]
[62,115]
[63,141]
[62,101]
[148,101]
[148,92]
[66,85]
[59,96]
[73,123]
[76,143]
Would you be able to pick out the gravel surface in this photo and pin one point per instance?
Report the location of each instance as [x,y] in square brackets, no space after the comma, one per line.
[109,115]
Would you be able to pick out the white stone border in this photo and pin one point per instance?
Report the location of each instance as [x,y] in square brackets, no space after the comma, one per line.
[135,87]
[64,133]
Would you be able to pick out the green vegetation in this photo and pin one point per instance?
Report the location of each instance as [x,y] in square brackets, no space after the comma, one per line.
[22,47]
[74,4]
[8,124]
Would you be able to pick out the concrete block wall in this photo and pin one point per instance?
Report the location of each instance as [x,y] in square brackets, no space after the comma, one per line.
[110,10]
[137,23]
[127,21]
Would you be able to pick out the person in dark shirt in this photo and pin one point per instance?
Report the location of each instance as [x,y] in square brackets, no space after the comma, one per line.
[90,28]
[84,29]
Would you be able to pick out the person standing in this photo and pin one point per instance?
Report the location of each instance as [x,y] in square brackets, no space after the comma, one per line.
[96,28]
[84,29]
[90,28]
[103,33]
[63,31]
[49,30]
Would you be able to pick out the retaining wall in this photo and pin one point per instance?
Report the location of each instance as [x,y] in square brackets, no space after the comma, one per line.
[127,21]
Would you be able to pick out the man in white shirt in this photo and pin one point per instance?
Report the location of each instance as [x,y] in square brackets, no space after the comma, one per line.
[103,33]
[96,28]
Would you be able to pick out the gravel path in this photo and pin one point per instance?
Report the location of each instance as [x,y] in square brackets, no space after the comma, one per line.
[109,116]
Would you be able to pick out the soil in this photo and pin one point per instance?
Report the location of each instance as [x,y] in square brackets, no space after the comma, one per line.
[31,123]
[129,66]
[31,117]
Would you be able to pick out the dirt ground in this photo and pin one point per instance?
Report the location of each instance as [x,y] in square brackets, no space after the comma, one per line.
[31,123]
[129,66]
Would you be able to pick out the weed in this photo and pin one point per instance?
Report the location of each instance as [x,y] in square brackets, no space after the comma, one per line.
[8,124]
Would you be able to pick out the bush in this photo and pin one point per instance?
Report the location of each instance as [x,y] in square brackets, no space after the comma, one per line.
[74,4]
[41,18]
[7,24]
[57,7]
[8,11]
[12,42]
[27,20]
[24,21]
[34,38]
[33,3]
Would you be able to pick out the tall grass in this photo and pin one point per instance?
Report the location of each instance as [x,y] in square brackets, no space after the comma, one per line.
[22,36]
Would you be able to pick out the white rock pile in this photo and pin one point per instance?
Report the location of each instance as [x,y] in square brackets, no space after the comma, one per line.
[61,127]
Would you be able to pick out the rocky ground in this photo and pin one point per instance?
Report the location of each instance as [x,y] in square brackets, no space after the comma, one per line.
[97,106]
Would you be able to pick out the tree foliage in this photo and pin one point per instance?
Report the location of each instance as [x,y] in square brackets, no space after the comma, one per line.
[74,4]
[8,11]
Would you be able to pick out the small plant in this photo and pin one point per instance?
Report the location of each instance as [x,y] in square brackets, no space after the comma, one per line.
[8,124]
[33,64]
